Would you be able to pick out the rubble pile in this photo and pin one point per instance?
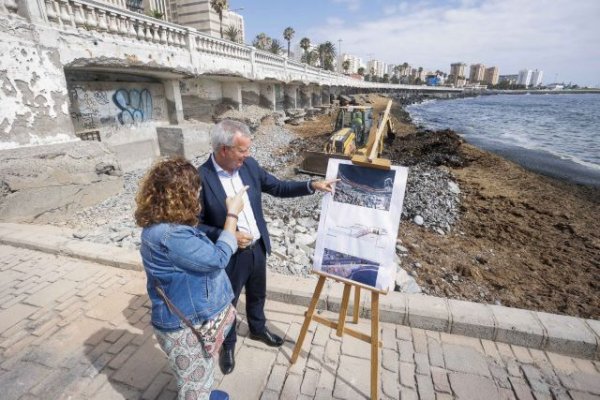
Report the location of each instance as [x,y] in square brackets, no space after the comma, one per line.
[432,200]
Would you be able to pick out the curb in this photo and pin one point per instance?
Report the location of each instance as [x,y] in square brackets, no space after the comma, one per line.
[567,335]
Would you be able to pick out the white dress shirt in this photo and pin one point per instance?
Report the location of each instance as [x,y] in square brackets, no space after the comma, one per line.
[232,183]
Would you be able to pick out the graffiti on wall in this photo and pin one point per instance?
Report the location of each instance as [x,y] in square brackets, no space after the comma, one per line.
[135,105]
[95,106]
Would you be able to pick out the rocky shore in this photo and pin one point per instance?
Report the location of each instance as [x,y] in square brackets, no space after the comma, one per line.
[474,226]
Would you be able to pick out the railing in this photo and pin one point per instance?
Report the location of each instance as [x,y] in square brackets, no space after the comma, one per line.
[111,18]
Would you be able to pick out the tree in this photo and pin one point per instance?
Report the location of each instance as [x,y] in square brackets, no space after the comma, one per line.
[386,78]
[326,55]
[276,47]
[232,33]
[219,6]
[395,79]
[262,41]
[288,34]
[346,65]
[310,57]
[361,71]
[305,45]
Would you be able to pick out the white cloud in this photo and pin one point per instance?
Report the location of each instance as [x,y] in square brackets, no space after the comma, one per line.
[558,36]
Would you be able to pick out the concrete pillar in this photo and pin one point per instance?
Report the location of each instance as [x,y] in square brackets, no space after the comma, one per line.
[305,97]
[316,96]
[279,97]
[250,94]
[174,103]
[32,10]
[290,96]
[232,94]
[267,96]
[325,100]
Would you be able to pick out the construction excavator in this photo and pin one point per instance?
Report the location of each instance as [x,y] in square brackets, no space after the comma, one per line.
[355,137]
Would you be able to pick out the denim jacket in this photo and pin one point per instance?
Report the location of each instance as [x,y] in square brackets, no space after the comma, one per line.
[191,271]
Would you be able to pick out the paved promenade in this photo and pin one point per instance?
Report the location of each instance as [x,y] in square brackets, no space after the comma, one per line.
[76,329]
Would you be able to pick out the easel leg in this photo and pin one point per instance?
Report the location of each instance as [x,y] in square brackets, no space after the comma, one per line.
[374,344]
[356,304]
[343,309]
[308,318]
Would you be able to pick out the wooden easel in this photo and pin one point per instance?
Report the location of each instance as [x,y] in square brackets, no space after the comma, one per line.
[340,325]
[369,160]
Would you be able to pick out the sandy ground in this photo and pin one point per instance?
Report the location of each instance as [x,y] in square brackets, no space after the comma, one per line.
[523,240]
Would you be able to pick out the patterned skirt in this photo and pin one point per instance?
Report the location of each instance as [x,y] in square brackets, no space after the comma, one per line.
[192,365]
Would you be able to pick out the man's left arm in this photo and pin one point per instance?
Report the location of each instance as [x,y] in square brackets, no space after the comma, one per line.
[279,188]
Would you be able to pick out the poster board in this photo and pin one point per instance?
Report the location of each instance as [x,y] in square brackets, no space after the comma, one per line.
[356,240]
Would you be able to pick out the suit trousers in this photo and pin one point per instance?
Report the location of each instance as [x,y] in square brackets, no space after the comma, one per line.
[248,268]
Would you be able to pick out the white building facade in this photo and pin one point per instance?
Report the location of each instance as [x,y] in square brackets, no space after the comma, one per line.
[524,77]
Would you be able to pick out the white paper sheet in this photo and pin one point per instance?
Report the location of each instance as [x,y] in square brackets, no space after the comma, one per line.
[359,224]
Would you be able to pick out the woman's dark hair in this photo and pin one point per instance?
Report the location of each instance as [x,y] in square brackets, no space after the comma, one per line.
[169,193]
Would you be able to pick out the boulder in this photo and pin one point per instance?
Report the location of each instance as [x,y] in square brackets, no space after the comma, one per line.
[48,183]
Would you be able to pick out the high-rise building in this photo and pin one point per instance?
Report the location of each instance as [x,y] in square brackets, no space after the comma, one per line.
[355,62]
[476,73]
[536,78]
[200,15]
[457,70]
[376,67]
[491,76]
[524,77]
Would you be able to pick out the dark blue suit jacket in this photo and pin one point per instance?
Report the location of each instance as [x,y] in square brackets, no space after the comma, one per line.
[212,197]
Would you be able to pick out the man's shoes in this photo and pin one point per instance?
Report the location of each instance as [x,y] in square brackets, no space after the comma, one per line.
[226,361]
[268,338]
[218,395]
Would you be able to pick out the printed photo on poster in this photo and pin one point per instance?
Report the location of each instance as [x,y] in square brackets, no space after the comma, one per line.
[359,224]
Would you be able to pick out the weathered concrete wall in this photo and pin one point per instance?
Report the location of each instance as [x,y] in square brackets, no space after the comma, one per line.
[187,140]
[279,97]
[33,90]
[250,94]
[232,94]
[113,106]
[45,183]
[267,96]
[199,97]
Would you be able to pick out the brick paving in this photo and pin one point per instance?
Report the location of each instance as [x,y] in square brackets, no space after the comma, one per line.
[72,329]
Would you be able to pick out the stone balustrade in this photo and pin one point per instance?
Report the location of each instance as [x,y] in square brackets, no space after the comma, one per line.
[110,18]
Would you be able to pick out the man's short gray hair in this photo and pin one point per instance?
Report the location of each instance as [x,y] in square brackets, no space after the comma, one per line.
[222,133]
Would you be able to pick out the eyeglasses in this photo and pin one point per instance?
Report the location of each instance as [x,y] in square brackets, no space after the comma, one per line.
[241,150]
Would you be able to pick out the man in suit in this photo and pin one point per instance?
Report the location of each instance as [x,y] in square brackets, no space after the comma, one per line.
[227,171]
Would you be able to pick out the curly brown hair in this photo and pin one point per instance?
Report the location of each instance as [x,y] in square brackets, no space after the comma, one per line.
[169,193]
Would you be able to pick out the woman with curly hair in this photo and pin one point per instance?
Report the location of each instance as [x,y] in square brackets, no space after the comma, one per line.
[187,284]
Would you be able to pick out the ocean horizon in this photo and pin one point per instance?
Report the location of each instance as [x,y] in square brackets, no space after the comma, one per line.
[555,135]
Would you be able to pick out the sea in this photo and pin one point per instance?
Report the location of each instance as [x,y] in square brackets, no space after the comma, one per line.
[557,135]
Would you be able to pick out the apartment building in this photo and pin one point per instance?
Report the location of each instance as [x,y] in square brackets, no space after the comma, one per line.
[457,70]
[476,73]
[355,62]
[377,67]
[200,15]
[491,76]
[536,78]
[524,77]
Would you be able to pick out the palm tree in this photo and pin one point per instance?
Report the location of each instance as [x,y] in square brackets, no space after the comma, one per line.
[361,71]
[346,65]
[262,41]
[310,57]
[276,47]
[219,6]
[288,34]
[232,33]
[305,44]
[326,55]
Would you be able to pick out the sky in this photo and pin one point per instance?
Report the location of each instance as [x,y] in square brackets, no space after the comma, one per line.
[559,37]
